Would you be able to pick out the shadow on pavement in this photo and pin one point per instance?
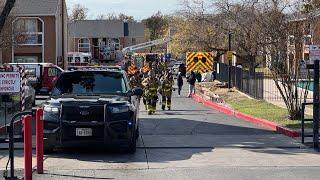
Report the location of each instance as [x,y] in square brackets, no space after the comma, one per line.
[175,139]
[179,126]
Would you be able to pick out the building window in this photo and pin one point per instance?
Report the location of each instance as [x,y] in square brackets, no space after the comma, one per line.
[114,43]
[77,59]
[306,56]
[70,59]
[291,40]
[307,29]
[27,25]
[84,45]
[134,41]
[307,40]
[26,59]
[28,32]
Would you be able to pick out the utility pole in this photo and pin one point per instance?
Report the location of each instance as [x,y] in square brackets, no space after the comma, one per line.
[230,61]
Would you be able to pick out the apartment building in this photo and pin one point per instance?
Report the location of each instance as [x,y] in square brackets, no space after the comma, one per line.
[39,32]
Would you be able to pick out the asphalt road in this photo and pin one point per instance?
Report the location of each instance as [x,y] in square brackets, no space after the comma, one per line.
[189,142]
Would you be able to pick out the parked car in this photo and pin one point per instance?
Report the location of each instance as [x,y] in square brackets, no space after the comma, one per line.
[84,111]
[41,75]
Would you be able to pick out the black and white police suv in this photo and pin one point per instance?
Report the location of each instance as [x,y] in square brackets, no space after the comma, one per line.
[92,107]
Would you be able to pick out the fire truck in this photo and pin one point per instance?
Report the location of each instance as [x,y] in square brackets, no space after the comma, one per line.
[79,59]
[140,61]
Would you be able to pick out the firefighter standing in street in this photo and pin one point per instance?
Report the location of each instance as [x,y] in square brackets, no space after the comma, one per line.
[166,90]
[150,85]
[135,80]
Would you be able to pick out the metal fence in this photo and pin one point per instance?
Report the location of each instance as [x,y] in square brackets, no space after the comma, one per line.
[247,82]
[259,84]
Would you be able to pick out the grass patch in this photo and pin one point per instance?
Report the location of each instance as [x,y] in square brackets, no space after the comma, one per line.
[265,110]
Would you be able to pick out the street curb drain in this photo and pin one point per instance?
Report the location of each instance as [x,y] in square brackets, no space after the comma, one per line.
[258,121]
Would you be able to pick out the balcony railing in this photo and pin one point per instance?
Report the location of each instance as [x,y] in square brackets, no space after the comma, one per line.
[30,39]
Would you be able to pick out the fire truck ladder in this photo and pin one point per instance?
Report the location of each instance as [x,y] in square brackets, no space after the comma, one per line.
[145,45]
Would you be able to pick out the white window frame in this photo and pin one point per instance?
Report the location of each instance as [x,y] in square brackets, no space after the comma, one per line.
[291,41]
[42,38]
[31,33]
[114,44]
[79,44]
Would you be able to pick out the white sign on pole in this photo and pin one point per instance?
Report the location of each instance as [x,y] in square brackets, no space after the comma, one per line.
[9,82]
[314,53]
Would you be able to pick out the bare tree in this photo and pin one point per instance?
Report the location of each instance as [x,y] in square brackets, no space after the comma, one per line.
[79,12]
[310,5]
[113,16]
[157,26]
[8,5]
[195,28]
[7,18]
[101,17]
[260,29]
[126,18]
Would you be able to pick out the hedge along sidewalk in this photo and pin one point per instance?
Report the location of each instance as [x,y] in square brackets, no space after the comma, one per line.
[251,110]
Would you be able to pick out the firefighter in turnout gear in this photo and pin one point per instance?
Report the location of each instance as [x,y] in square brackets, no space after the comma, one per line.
[150,85]
[166,89]
[144,77]
[135,80]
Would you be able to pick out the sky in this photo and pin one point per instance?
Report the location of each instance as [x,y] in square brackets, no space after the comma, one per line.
[140,9]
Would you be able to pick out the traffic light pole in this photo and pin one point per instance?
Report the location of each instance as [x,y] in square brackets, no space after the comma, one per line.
[230,62]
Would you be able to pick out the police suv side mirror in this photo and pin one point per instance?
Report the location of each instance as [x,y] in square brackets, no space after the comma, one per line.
[137,91]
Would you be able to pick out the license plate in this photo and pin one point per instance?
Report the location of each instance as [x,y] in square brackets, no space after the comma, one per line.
[83,132]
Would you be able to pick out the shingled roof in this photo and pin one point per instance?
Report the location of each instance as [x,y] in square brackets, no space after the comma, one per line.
[96,28]
[33,7]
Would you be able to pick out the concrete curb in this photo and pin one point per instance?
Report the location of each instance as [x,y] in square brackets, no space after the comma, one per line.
[261,122]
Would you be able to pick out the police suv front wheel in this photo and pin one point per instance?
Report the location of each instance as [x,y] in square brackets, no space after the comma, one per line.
[137,133]
[133,145]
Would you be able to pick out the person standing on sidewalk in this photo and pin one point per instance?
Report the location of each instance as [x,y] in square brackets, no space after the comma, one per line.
[214,75]
[198,76]
[192,80]
[179,83]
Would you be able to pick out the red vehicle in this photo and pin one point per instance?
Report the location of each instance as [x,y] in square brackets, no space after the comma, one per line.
[41,75]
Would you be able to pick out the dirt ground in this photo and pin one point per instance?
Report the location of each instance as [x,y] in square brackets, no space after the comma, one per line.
[222,91]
